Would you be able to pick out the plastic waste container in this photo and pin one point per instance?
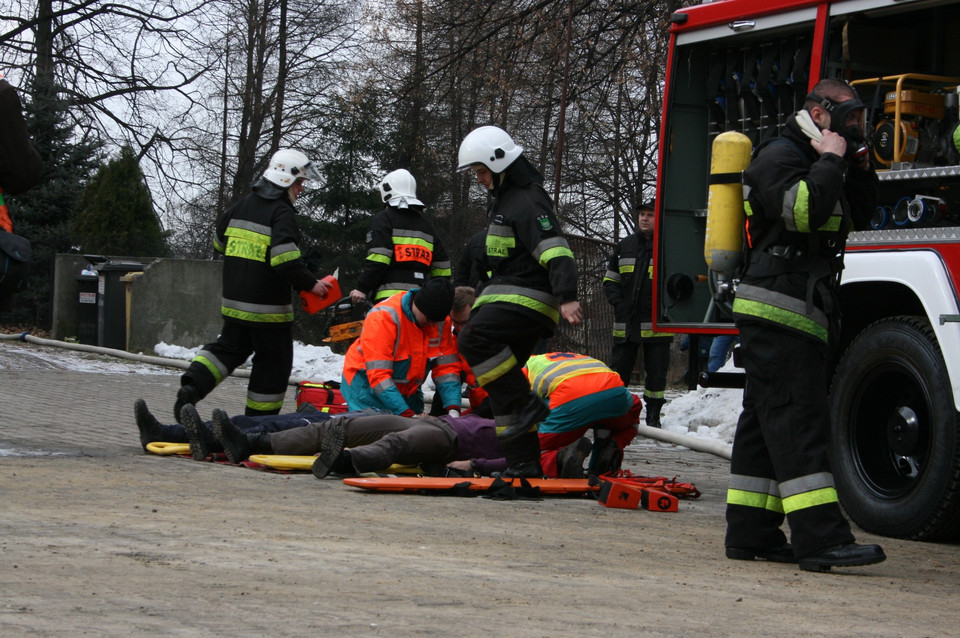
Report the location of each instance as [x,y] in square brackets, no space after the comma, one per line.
[112,302]
[87,309]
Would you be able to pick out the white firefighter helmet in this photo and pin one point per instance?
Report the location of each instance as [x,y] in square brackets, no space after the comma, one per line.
[399,189]
[287,166]
[490,146]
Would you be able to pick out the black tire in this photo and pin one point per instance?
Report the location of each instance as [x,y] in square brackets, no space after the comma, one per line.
[896,446]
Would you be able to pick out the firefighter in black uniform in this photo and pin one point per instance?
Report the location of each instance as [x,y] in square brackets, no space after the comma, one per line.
[802,193]
[533,283]
[628,285]
[403,251]
[259,239]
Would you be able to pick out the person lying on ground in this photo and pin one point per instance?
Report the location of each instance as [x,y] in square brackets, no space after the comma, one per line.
[376,442]
[357,444]
[199,433]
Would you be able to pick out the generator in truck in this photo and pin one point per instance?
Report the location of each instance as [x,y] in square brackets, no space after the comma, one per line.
[744,66]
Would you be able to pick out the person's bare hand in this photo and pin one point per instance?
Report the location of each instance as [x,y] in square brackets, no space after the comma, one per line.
[356,296]
[572,312]
[830,143]
[460,466]
[321,288]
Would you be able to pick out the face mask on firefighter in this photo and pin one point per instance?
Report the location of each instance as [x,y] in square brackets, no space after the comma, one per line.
[847,119]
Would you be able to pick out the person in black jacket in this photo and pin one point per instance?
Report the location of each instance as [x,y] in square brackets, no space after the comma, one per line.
[628,286]
[472,268]
[259,239]
[403,251]
[533,283]
[802,194]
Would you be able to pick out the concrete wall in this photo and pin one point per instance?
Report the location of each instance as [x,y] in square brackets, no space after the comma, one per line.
[176,301]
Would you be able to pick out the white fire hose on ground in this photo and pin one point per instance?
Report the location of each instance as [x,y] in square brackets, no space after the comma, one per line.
[717,448]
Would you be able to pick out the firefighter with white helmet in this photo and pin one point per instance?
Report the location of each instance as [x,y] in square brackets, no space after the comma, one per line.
[533,283]
[260,242]
[403,250]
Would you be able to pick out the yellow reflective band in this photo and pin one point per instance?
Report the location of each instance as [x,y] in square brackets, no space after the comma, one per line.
[654,394]
[266,317]
[441,272]
[650,333]
[758,500]
[627,269]
[553,253]
[619,333]
[379,259]
[781,316]
[747,208]
[283,258]
[832,224]
[813,498]
[520,300]
[500,246]
[210,366]
[245,249]
[497,372]
[801,209]
[383,294]
[264,406]
[501,428]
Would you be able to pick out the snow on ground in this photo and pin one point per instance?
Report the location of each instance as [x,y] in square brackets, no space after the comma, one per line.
[317,363]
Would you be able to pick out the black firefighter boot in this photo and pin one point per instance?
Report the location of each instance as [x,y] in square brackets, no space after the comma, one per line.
[237,444]
[151,430]
[653,411]
[201,438]
[523,457]
[528,415]
[186,394]
[606,457]
[571,457]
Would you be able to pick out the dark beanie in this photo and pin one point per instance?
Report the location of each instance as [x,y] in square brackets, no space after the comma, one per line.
[435,299]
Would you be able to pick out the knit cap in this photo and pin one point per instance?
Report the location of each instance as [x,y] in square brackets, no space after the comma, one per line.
[435,299]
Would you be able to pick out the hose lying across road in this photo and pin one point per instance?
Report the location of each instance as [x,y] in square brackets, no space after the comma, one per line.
[717,448]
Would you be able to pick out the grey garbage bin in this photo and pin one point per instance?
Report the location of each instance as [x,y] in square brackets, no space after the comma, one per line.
[112,303]
[87,309]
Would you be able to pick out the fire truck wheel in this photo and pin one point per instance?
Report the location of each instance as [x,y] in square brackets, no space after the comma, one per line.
[895,450]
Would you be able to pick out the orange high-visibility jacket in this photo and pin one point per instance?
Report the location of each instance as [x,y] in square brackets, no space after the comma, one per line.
[387,364]
[561,377]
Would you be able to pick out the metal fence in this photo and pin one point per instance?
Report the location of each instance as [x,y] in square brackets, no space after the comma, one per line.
[593,336]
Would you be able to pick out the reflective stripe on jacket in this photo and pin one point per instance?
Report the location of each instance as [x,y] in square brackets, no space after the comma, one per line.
[403,252]
[560,377]
[259,239]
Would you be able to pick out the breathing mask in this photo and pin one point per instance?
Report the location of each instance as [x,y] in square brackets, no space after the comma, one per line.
[853,133]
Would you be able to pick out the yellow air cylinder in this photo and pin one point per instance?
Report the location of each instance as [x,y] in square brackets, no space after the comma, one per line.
[723,243]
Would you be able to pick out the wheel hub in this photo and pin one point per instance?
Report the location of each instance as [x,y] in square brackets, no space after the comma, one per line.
[903,431]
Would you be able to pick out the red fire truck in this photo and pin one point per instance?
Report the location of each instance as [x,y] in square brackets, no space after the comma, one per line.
[744,66]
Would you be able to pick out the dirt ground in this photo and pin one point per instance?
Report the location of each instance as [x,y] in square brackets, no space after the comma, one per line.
[98,538]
